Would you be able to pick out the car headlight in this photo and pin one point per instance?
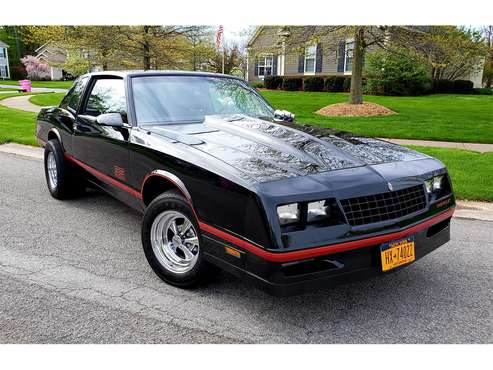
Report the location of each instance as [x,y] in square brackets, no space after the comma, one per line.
[317,211]
[288,213]
[434,184]
[437,183]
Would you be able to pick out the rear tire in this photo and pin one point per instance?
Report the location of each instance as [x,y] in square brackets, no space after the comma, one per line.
[63,179]
[172,241]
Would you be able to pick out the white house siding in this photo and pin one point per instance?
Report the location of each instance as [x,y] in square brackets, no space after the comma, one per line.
[56,73]
[4,62]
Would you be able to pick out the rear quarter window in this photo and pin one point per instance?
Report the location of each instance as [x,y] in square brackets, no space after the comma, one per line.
[72,99]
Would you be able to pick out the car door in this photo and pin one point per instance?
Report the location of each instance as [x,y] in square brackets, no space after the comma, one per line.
[103,148]
[67,112]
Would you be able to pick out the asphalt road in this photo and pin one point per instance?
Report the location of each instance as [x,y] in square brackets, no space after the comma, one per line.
[74,272]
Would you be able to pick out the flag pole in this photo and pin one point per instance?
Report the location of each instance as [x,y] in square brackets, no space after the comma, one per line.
[223,58]
[223,49]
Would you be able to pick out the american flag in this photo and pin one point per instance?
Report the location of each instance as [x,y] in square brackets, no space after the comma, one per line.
[219,35]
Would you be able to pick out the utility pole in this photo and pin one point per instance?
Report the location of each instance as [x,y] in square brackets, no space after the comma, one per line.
[17,44]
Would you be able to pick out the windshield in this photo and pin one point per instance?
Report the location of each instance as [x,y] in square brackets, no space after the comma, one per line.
[189,99]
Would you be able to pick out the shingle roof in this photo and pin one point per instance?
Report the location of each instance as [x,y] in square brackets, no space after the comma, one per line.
[3,44]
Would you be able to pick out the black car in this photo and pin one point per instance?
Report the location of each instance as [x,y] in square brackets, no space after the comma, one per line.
[223,179]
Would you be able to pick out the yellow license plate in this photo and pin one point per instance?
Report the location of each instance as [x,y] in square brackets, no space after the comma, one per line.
[397,252]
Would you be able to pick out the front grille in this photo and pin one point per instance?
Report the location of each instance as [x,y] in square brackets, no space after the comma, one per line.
[384,206]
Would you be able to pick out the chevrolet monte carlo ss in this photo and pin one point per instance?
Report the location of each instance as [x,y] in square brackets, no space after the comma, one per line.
[224,179]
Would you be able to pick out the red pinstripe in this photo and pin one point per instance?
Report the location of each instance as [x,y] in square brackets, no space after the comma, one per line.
[105,177]
[326,249]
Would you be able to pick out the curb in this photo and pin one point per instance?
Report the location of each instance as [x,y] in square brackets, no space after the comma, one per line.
[22,150]
[471,210]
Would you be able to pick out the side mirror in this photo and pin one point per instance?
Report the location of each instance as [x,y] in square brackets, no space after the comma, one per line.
[110,119]
[283,115]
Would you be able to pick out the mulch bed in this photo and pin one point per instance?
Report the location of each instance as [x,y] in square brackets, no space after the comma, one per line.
[355,110]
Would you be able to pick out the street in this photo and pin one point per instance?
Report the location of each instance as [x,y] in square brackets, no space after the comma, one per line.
[75,272]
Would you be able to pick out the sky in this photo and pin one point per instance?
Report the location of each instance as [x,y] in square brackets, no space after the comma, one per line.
[235,34]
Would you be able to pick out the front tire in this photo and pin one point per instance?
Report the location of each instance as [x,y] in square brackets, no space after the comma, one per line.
[172,241]
[61,177]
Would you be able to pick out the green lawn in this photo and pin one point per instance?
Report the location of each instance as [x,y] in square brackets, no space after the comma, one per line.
[470,171]
[52,84]
[47,99]
[7,88]
[461,118]
[16,125]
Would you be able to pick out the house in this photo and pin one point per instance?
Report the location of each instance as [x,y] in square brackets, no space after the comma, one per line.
[54,57]
[272,52]
[4,61]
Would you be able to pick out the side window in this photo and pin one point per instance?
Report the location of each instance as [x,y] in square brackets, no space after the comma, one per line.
[73,97]
[107,96]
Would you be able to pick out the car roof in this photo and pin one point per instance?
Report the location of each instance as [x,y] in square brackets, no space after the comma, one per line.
[141,73]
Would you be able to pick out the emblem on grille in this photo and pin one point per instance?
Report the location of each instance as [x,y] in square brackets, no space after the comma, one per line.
[389,185]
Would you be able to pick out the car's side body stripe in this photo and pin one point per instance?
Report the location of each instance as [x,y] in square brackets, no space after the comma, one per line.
[105,177]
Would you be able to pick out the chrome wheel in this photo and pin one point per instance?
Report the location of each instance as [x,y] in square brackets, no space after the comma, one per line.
[175,241]
[52,171]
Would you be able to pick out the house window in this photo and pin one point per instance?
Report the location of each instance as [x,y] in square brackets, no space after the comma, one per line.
[265,63]
[3,71]
[348,56]
[2,53]
[310,59]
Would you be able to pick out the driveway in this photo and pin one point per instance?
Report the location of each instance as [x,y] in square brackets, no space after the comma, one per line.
[74,272]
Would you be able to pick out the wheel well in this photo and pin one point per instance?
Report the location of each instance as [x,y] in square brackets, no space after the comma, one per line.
[154,186]
[52,135]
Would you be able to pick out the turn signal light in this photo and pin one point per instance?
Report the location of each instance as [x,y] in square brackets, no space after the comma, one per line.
[232,252]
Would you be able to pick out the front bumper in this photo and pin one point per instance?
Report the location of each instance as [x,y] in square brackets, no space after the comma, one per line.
[330,267]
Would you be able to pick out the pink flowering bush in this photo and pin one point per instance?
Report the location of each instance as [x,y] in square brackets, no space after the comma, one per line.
[35,68]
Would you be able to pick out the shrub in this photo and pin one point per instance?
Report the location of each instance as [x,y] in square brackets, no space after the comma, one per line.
[398,73]
[36,69]
[313,84]
[292,83]
[482,91]
[258,85]
[273,82]
[18,72]
[443,86]
[463,86]
[346,85]
[334,84]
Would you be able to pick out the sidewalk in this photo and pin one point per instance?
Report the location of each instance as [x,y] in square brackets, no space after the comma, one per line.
[482,148]
[22,103]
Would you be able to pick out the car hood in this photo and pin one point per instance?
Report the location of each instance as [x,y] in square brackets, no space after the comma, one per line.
[262,151]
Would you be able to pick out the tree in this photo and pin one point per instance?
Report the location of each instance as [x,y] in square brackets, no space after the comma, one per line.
[201,46]
[19,45]
[100,42]
[156,46]
[36,70]
[488,65]
[76,64]
[451,52]
[233,60]
[397,72]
